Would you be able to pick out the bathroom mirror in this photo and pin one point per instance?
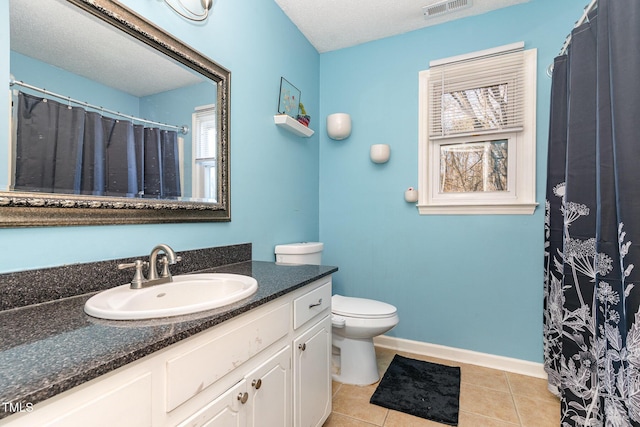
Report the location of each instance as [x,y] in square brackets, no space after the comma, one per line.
[152,145]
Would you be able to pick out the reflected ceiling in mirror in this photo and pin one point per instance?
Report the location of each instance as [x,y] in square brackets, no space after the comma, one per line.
[139,121]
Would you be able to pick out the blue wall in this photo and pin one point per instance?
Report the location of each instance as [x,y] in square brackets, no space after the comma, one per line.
[274,174]
[471,282]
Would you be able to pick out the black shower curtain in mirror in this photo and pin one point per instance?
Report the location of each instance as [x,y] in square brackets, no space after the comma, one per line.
[64,149]
[592,222]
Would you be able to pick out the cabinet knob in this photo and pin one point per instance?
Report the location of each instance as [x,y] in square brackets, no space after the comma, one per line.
[256,383]
[302,346]
[243,397]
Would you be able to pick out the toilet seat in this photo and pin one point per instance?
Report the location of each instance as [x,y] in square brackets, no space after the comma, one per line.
[361,307]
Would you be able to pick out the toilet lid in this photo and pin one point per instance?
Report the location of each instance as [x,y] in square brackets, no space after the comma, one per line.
[361,307]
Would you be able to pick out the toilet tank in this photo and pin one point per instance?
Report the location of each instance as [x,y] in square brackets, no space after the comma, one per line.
[299,253]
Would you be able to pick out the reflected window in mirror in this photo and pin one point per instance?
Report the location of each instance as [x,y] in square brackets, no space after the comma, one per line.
[205,153]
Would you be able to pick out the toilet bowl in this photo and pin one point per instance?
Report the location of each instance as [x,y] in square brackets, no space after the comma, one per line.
[355,322]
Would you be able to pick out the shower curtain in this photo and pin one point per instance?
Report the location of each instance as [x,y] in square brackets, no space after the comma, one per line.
[64,149]
[592,222]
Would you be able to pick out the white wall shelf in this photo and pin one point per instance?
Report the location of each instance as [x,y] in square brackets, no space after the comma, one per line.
[292,125]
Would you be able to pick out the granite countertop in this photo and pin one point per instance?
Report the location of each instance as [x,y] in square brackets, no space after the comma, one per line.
[48,348]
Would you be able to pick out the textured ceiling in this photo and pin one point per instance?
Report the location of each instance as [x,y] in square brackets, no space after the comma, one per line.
[58,33]
[336,24]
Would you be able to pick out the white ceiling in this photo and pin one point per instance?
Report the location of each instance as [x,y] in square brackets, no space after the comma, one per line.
[60,34]
[336,24]
[45,30]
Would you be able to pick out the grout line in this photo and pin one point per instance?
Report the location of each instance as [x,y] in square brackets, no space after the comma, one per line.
[513,399]
[491,418]
[385,418]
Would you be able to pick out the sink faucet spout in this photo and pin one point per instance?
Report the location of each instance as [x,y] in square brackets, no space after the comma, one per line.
[172,258]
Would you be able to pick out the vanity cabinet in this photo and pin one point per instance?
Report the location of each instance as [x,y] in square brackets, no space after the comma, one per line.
[269,392]
[312,387]
[260,399]
[224,411]
[269,366]
[312,357]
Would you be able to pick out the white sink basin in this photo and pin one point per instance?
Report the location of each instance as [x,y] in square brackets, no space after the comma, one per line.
[189,293]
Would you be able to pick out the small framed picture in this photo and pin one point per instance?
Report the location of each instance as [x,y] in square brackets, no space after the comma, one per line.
[289,99]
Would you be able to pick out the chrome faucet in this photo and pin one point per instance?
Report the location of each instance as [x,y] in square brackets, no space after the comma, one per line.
[139,281]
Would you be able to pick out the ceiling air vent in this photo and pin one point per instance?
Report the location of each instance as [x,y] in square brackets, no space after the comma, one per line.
[443,7]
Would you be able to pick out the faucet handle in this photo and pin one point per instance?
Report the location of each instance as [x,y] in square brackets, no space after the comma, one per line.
[138,277]
[164,262]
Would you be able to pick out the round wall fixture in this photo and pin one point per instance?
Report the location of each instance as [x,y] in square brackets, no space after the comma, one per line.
[380,153]
[339,126]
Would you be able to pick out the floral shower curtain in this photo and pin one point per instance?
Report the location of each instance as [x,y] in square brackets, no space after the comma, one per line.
[592,222]
[64,149]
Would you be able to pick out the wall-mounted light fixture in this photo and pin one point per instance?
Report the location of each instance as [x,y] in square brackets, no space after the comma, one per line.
[380,153]
[338,126]
[186,11]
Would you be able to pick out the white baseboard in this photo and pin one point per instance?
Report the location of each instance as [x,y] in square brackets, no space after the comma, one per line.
[508,364]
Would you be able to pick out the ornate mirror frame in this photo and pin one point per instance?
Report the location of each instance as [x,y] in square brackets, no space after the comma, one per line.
[19,209]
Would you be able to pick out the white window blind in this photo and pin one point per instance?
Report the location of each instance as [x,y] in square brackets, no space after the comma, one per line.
[205,135]
[479,94]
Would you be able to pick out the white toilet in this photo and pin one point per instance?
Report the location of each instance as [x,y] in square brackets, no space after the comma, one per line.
[355,322]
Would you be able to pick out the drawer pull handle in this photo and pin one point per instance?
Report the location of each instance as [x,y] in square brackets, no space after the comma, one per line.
[243,397]
[302,346]
[316,304]
[256,384]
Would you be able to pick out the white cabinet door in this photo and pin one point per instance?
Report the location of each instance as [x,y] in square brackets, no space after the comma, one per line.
[269,391]
[312,375]
[227,410]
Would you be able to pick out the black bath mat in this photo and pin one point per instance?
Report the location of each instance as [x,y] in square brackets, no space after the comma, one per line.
[423,389]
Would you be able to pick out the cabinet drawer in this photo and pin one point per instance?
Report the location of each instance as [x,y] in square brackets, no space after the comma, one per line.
[191,372]
[311,304]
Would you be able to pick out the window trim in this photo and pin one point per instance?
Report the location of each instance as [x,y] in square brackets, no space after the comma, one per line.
[522,201]
[199,186]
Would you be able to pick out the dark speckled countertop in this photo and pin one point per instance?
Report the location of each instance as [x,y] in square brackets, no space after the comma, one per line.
[49,348]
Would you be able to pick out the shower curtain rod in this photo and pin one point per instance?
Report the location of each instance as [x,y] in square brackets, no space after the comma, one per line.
[581,21]
[567,40]
[184,129]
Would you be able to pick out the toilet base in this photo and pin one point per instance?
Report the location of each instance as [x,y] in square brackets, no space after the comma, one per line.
[358,365]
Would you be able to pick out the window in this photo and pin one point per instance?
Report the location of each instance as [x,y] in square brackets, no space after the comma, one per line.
[205,152]
[477,133]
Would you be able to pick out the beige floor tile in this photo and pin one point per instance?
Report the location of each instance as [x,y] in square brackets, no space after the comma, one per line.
[353,401]
[335,386]
[531,387]
[466,419]
[384,356]
[536,412]
[488,402]
[338,420]
[400,419]
[488,398]
[484,377]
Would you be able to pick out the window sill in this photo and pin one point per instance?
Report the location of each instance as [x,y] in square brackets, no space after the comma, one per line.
[503,209]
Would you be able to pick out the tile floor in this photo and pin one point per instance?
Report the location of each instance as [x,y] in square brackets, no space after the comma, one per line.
[488,398]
